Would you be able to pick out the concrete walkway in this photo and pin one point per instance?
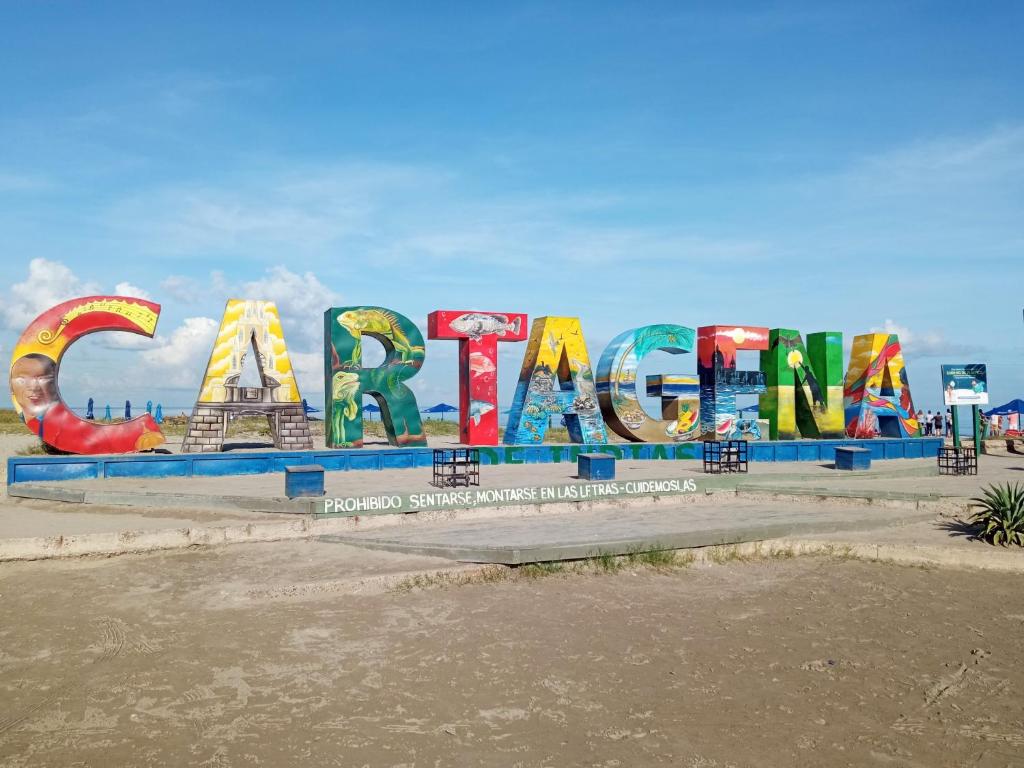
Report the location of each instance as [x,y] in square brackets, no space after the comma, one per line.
[514,541]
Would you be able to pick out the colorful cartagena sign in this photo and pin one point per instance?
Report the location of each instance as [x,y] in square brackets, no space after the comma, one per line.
[800,383]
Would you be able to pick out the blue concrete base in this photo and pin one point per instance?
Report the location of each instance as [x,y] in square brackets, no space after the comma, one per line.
[24,469]
[595,466]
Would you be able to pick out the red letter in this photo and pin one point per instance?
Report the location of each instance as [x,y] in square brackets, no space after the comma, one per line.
[478,334]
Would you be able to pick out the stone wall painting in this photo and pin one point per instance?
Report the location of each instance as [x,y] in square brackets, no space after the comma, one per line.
[35,364]
[876,395]
[248,325]
[346,380]
[478,334]
[556,381]
[720,380]
[617,386]
[804,385]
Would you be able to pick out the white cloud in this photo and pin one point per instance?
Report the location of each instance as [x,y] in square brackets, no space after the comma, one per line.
[179,360]
[183,289]
[132,291]
[49,283]
[301,300]
[309,372]
[927,343]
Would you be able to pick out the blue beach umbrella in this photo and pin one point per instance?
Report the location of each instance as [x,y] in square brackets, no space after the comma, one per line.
[106,414]
[441,408]
[88,410]
[149,407]
[371,409]
[158,417]
[127,409]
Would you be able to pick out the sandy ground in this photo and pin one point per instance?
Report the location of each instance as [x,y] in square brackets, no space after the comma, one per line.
[254,655]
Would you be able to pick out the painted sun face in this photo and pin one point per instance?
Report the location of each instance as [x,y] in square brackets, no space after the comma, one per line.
[34,384]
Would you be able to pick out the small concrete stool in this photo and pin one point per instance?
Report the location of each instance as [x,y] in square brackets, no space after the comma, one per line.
[853,459]
[304,480]
[595,466]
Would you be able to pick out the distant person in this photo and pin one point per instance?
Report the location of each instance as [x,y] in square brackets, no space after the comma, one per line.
[937,424]
[949,422]
[920,420]
[928,423]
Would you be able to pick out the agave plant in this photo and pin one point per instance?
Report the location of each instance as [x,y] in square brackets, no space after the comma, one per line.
[1000,513]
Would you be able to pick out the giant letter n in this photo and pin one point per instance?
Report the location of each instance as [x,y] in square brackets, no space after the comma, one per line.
[804,396]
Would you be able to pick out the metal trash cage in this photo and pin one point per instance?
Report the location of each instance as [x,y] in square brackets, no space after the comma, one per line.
[722,456]
[456,466]
[958,461]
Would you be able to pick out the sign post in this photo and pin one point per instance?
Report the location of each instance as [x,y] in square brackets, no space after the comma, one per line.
[965,384]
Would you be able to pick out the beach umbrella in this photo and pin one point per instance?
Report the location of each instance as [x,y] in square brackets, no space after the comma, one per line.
[88,410]
[127,409]
[158,417]
[106,414]
[149,407]
[371,409]
[441,408]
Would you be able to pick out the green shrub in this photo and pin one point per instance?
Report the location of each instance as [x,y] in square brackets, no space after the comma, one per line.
[1001,514]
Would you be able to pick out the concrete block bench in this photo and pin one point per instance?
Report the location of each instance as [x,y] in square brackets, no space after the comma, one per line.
[303,480]
[595,466]
[853,458]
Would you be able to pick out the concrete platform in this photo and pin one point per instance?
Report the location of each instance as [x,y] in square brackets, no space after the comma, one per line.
[265,493]
[614,532]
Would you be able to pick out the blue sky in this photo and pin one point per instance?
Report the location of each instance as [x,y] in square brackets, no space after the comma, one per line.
[844,167]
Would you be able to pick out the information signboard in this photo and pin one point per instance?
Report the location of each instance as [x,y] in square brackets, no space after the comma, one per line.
[965,384]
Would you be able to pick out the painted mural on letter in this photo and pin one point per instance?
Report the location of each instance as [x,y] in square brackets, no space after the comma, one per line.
[876,395]
[804,385]
[555,382]
[720,381]
[617,386]
[35,363]
[248,325]
[346,380]
[478,334]
[680,405]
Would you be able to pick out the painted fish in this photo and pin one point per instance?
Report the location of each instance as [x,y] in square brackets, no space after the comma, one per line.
[476,324]
[477,409]
[480,364]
